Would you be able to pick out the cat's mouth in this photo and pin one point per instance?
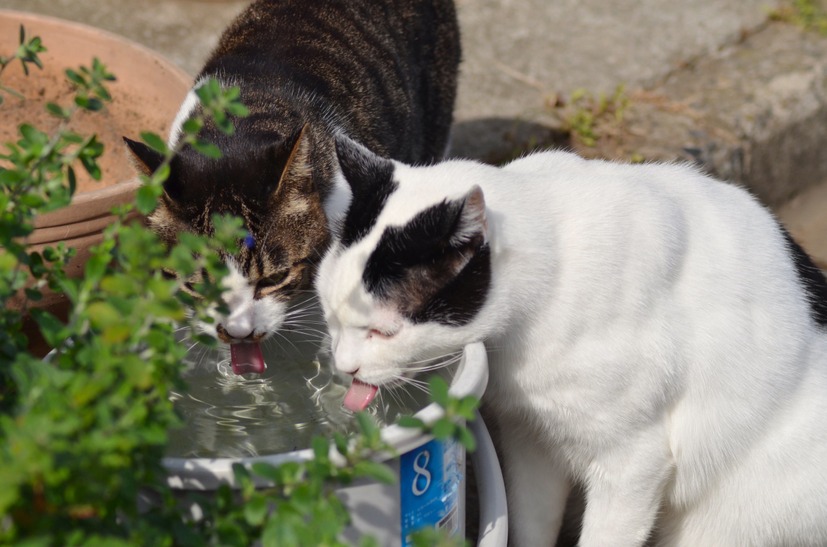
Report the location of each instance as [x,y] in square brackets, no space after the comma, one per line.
[359,395]
[246,358]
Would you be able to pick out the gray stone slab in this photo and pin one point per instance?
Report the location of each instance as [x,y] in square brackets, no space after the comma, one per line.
[753,113]
[708,81]
[518,51]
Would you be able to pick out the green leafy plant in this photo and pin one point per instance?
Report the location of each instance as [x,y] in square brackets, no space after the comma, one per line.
[807,14]
[26,54]
[587,117]
[83,433]
[451,424]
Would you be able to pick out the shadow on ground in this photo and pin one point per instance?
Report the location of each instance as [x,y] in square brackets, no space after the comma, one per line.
[499,140]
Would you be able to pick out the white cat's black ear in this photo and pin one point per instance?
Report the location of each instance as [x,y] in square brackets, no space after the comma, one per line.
[370,179]
[472,223]
[145,159]
[292,159]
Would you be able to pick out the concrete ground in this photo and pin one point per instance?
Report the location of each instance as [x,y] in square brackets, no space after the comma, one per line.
[717,82]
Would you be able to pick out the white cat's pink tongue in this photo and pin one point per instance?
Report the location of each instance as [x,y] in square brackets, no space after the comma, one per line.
[246,357]
[359,395]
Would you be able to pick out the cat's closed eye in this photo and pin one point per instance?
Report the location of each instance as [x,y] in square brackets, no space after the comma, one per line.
[382,334]
[269,284]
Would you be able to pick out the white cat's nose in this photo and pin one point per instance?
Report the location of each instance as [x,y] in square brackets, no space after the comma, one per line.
[348,367]
[346,352]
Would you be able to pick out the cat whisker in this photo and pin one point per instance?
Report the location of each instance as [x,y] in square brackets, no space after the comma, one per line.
[421,385]
[311,331]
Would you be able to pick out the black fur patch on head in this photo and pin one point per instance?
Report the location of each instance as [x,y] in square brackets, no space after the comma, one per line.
[812,280]
[370,178]
[425,273]
[462,297]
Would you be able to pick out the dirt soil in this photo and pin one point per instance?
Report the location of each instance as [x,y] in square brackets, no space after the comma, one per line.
[119,118]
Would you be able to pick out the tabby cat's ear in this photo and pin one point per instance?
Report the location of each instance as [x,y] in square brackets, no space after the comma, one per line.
[472,224]
[292,156]
[362,169]
[145,159]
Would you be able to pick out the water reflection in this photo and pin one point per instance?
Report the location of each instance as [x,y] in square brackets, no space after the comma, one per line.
[298,397]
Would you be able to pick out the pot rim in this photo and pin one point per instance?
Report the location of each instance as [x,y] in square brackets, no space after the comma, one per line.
[23,16]
[100,200]
[96,203]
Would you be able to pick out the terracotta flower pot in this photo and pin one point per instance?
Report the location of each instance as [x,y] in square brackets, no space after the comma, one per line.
[145,97]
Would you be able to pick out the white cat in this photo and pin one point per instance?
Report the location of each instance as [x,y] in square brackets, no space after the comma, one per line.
[653,333]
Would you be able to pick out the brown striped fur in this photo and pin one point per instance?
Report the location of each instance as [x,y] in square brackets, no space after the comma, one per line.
[381,71]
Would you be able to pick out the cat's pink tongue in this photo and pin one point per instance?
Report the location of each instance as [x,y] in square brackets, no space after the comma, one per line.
[246,357]
[359,396]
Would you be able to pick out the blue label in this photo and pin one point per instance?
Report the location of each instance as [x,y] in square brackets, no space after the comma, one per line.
[430,478]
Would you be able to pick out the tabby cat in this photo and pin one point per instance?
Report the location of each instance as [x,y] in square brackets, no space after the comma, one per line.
[654,336]
[382,71]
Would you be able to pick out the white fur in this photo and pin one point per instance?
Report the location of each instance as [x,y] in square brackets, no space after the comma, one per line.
[184,112]
[648,338]
[336,203]
[248,317]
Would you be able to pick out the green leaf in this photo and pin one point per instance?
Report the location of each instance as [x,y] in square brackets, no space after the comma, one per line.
[74,77]
[223,123]
[443,428]
[368,425]
[375,470]
[267,471]
[161,174]
[411,422]
[50,326]
[467,406]
[36,265]
[439,391]
[10,177]
[207,149]
[58,111]
[33,135]
[146,199]
[238,109]
[192,126]
[155,142]
[340,442]
[33,295]
[255,510]
[91,104]
[91,166]
[466,438]
[96,266]
[72,179]
[321,449]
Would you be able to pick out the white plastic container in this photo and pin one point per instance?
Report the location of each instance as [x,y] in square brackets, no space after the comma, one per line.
[430,490]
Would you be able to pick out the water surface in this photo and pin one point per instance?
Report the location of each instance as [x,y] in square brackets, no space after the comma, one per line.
[298,397]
